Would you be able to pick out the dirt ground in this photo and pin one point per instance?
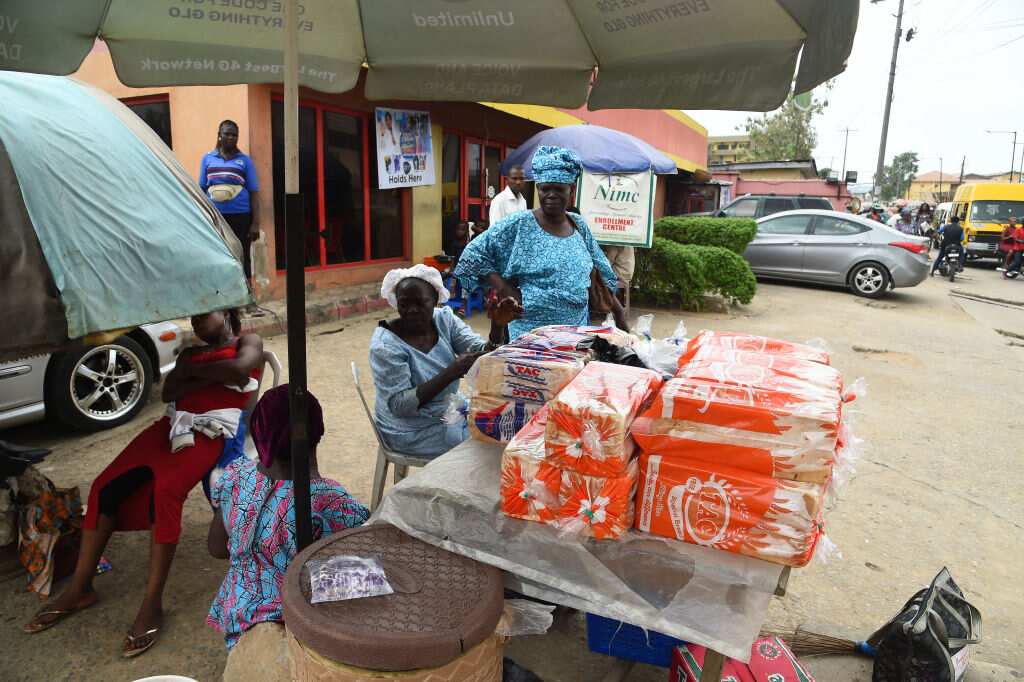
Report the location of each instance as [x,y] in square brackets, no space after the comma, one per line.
[937,487]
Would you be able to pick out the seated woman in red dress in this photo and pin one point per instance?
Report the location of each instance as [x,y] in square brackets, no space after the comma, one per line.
[145,487]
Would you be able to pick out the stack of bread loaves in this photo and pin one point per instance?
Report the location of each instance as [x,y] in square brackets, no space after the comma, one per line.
[740,447]
[583,435]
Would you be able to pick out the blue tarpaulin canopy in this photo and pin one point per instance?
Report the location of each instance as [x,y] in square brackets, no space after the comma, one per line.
[601,149]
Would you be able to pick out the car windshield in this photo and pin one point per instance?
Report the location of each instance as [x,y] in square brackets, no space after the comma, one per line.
[996,211]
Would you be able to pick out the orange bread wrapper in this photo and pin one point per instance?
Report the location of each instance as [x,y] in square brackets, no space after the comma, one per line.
[597,507]
[750,342]
[588,423]
[729,509]
[742,364]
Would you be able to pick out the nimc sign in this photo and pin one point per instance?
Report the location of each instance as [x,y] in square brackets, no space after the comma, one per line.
[617,207]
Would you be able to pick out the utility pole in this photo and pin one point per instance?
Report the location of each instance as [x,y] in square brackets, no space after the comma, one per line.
[962,163]
[1013,147]
[888,98]
[847,130]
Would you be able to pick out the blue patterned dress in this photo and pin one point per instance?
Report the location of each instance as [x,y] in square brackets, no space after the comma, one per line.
[553,273]
[259,515]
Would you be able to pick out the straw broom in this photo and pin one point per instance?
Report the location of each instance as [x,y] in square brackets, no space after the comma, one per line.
[806,643]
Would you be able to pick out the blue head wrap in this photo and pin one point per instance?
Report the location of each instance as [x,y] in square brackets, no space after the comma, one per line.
[555,164]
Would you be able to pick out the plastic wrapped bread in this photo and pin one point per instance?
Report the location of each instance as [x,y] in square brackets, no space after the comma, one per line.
[749,367]
[598,507]
[497,420]
[758,377]
[749,342]
[572,336]
[588,423]
[729,509]
[518,373]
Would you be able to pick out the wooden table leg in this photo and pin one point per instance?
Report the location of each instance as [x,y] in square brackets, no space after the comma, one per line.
[618,671]
[713,663]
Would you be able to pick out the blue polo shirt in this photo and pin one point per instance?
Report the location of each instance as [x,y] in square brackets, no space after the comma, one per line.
[238,170]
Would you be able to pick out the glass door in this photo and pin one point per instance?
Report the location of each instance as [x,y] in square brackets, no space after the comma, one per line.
[482,177]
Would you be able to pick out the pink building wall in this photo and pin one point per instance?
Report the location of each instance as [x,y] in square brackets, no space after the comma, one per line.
[836,194]
[681,136]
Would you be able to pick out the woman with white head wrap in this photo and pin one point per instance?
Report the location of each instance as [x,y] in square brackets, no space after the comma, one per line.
[418,358]
[544,257]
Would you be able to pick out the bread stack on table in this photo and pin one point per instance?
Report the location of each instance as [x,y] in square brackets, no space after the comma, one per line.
[740,447]
[736,452]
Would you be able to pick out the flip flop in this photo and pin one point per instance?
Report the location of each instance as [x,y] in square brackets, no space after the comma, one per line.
[132,648]
[56,615]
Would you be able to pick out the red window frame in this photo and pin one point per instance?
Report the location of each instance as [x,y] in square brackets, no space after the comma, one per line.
[367,119]
[465,139]
[161,98]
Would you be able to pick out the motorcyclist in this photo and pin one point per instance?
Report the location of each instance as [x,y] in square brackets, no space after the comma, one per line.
[953,237]
[1017,237]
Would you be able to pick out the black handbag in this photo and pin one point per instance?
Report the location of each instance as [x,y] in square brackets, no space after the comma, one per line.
[928,639]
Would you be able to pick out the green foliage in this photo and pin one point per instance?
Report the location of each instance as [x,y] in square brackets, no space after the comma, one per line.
[730,233]
[673,273]
[785,134]
[896,178]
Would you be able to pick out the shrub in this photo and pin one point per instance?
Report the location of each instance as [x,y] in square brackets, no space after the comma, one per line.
[670,273]
[730,233]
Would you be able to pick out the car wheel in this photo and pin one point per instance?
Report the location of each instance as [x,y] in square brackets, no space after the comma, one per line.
[870,280]
[99,387]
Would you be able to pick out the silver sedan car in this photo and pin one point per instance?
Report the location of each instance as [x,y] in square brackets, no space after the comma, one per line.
[830,247]
[89,387]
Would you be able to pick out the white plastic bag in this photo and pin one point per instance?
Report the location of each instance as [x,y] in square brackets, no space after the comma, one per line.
[523,617]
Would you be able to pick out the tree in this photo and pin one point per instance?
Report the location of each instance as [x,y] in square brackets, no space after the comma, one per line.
[824,172]
[897,176]
[786,134]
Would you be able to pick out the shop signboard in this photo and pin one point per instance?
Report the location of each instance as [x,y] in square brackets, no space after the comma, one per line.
[618,207]
[405,156]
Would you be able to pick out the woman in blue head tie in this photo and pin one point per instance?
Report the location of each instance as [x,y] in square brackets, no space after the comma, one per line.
[542,257]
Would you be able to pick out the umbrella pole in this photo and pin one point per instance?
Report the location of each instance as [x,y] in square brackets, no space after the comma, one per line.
[296,281]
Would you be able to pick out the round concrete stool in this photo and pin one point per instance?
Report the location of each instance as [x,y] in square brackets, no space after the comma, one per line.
[439,624]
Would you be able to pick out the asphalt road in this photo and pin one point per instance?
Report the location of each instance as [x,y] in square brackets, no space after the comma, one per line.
[938,486]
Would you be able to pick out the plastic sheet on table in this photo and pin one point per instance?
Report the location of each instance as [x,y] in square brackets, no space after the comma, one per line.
[695,593]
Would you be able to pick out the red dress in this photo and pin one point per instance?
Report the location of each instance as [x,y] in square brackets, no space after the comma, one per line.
[156,503]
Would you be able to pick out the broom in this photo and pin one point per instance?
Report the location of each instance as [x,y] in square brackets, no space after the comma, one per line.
[805,643]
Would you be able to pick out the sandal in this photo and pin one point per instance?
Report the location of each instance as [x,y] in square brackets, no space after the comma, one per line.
[54,616]
[131,647]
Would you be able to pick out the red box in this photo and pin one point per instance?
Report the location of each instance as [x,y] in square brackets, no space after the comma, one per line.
[770,661]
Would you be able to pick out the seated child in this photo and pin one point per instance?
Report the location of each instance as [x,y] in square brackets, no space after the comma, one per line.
[254,521]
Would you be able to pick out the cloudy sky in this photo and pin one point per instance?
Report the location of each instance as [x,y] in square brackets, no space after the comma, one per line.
[960,75]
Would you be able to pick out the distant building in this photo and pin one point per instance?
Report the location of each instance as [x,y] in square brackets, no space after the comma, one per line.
[799,169]
[727,148]
[799,178]
[933,188]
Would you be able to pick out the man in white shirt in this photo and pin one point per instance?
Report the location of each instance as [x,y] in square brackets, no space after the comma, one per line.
[509,200]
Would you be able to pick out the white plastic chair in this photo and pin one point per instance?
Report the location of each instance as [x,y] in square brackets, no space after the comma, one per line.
[385,455]
[269,359]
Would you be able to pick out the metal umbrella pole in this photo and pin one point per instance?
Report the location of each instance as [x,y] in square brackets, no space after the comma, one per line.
[296,282]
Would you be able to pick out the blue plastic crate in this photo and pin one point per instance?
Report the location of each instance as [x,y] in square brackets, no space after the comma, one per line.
[622,640]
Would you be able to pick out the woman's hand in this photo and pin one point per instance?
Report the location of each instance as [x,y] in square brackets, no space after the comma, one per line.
[502,311]
[503,288]
[462,364]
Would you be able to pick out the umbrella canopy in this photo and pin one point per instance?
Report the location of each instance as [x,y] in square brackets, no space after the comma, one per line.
[696,54]
[101,228]
[602,150]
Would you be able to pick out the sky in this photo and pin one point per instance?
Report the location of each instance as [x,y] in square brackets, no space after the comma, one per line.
[959,76]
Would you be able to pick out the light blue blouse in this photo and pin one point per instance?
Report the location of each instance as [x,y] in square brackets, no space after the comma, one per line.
[553,273]
[398,369]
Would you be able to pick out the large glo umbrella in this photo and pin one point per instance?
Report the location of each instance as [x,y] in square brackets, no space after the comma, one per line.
[602,150]
[696,54]
[100,226]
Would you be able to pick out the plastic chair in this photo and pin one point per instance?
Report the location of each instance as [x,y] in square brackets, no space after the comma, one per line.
[464,303]
[385,455]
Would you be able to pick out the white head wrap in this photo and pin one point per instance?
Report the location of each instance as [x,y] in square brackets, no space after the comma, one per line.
[428,274]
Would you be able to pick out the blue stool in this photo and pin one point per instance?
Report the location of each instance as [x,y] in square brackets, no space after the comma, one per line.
[466,304]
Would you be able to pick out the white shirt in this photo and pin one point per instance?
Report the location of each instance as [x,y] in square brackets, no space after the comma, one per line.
[505,204]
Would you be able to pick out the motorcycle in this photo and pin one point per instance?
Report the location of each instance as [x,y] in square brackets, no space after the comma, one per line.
[950,264]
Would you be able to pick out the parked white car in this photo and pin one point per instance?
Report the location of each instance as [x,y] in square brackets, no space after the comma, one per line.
[89,387]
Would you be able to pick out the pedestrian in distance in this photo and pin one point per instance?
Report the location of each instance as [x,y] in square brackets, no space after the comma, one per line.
[228,176]
[875,213]
[906,224]
[511,199]
[1006,242]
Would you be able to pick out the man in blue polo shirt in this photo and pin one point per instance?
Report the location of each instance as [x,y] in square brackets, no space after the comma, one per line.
[229,178]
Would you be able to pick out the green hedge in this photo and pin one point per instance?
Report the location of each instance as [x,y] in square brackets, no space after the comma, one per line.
[730,233]
[673,273]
